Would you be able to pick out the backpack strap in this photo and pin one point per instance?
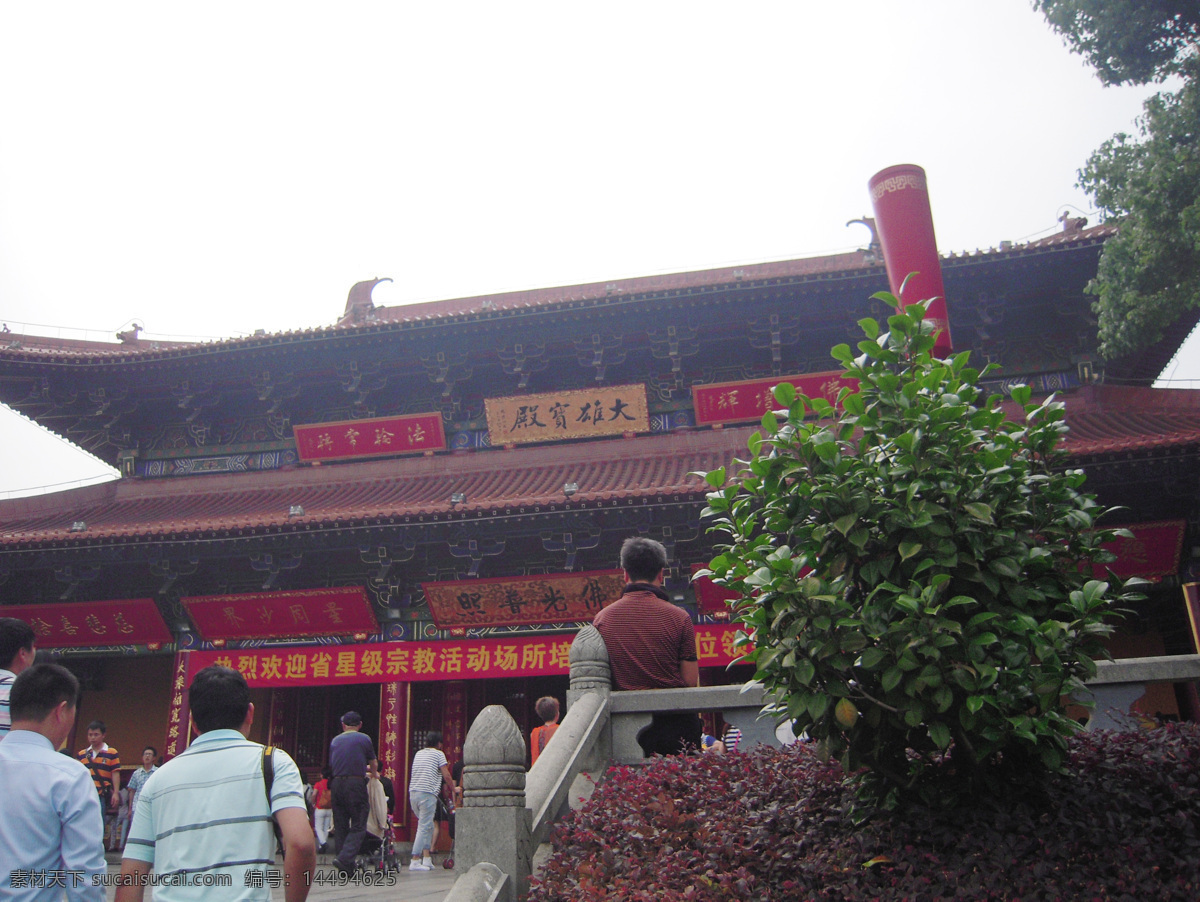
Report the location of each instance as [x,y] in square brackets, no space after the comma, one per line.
[268,769]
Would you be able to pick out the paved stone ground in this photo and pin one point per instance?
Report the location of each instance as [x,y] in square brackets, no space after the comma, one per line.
[405,886]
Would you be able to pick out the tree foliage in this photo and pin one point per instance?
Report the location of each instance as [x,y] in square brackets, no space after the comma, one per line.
[1149,273]
[916,571]
[1126,41]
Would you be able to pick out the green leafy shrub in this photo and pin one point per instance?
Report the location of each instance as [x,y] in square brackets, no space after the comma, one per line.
[916,571]
[1121,822]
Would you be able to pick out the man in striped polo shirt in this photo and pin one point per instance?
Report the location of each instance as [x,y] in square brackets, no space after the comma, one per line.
[203,820]
[104,764]
[651,645]
[16,654]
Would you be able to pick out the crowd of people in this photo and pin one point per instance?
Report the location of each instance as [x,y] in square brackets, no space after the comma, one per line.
[225,807]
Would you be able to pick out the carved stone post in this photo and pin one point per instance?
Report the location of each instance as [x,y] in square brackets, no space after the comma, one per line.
[591,672]
[493,824]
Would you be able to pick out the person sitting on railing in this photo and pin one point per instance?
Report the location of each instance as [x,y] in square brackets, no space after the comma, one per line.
[652,645]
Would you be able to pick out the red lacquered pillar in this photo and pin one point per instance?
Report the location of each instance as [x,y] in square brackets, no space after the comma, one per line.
[904,222]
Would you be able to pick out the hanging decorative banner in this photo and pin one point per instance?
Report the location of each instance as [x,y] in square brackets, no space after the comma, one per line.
[556,416]
[340,611]
[94,623]
[740,402]
[468,659]
[393,749]
[178,714]
[454,719]
[1152,553]
[370,438]
[277,728]
[523,600]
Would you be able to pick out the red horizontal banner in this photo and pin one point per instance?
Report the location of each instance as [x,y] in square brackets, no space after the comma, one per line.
[467,659]
[370,438]
[342,611]
[738,402]
[93,623]
[523,600]
[1152,553]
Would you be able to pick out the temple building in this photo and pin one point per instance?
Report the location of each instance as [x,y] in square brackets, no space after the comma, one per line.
[411,511]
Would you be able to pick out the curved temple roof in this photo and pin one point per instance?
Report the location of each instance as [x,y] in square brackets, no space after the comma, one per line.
[1104,421]
[361,315]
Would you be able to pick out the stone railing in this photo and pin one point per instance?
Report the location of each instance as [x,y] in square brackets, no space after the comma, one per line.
[506,814]
[1118,684]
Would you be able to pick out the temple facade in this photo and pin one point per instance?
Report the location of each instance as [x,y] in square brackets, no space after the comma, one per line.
[410,512]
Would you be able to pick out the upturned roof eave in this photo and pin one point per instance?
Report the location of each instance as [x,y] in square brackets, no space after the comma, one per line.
[856,264]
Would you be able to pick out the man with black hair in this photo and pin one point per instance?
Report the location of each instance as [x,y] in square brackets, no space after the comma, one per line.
[651,645]
[351,753]
[50,832]
[17,652]
[104,764]
[205,813]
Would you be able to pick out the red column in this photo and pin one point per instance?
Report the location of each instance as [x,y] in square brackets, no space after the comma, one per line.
[904,221]
[454,720]
[277,735]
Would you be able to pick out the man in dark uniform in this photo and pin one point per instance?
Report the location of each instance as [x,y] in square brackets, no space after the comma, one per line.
[350,754]
[652,645]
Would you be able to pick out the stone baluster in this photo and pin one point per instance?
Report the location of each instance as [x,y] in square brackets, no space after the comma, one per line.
[493,824]
[590,670]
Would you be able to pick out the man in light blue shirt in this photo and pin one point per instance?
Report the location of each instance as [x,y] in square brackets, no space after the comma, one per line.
[50,830]
[203,820]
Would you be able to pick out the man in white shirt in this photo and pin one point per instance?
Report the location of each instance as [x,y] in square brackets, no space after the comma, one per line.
[203,819]
[50,833]
[429,771]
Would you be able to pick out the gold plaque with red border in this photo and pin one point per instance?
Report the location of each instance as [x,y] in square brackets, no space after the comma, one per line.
[558,416]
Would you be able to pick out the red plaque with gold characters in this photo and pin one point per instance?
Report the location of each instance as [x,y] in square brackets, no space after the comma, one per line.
[1152,552]
[518,600]
[371,438]
[178,735]
[465,659]
[557,416]
[741,402]
[268,615]
[94,623]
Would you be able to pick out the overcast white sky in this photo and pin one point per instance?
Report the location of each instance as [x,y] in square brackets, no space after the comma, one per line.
[208,170]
